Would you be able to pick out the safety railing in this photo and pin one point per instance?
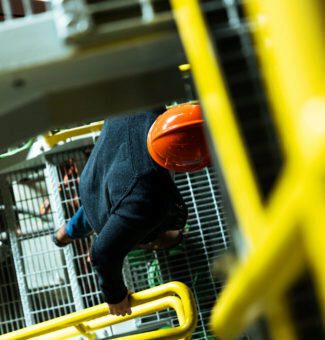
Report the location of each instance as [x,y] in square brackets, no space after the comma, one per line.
[54,138]
[174,295]
[285,235]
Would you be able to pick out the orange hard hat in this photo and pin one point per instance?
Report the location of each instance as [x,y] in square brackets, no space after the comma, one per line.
[176,139]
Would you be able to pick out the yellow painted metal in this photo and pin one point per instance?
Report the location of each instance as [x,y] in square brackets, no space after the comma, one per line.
[294,66]
[218,112]
[257,282]
[64,334]
[54,139]
[85,331]
[184,67]
[58,323]
[280,324]
[288,234]
[291,46]
[314,237]
[139,310]
[172,333]
[279,259]
[148,301]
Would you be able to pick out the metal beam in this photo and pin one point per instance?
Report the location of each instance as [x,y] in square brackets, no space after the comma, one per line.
[45,83]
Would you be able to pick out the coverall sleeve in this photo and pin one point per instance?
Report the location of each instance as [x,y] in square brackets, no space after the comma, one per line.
[78,226]
[138,214]
[114,242]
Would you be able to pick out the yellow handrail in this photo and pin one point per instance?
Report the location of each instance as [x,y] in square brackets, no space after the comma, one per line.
[53,139]
[218,112]
[86,321]
[287,233]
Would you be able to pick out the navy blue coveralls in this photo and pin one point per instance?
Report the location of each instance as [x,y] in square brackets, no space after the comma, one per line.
[127,199]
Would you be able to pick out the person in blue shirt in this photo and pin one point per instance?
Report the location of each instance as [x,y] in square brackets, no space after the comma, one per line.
[128,201]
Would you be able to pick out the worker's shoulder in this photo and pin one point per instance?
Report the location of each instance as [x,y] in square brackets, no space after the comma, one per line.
[138,116]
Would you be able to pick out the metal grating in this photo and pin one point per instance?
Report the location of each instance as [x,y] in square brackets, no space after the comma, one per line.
[69,166]
[208,239]
[41,269]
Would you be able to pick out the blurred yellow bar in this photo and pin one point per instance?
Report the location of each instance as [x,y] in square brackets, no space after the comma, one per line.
[279,320]
[291,47]
[313,230]
[297,92]
[270,270]
[219,115]
[144,302]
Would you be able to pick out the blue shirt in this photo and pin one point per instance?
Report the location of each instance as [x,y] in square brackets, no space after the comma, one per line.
[127,197]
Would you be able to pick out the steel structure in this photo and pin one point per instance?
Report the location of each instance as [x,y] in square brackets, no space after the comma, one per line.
[50,58]
[258,68]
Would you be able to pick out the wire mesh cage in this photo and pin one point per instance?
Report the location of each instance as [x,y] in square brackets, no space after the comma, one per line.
[40,267]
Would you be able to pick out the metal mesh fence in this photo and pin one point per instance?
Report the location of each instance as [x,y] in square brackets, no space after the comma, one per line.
[40,266]
[69,166]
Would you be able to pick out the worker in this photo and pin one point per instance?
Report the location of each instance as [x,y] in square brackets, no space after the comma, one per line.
[129,199]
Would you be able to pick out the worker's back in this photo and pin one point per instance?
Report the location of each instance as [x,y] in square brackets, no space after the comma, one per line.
[120,176]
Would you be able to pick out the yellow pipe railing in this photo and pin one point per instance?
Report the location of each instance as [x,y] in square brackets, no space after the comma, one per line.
[291,46]
[287,234]
[175,295]
[54,139]
[219,115]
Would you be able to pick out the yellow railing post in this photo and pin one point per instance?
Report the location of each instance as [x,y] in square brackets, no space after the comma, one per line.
[291,50]
[218,112]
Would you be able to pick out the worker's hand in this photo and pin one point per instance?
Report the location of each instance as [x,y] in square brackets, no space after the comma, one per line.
[121,308]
